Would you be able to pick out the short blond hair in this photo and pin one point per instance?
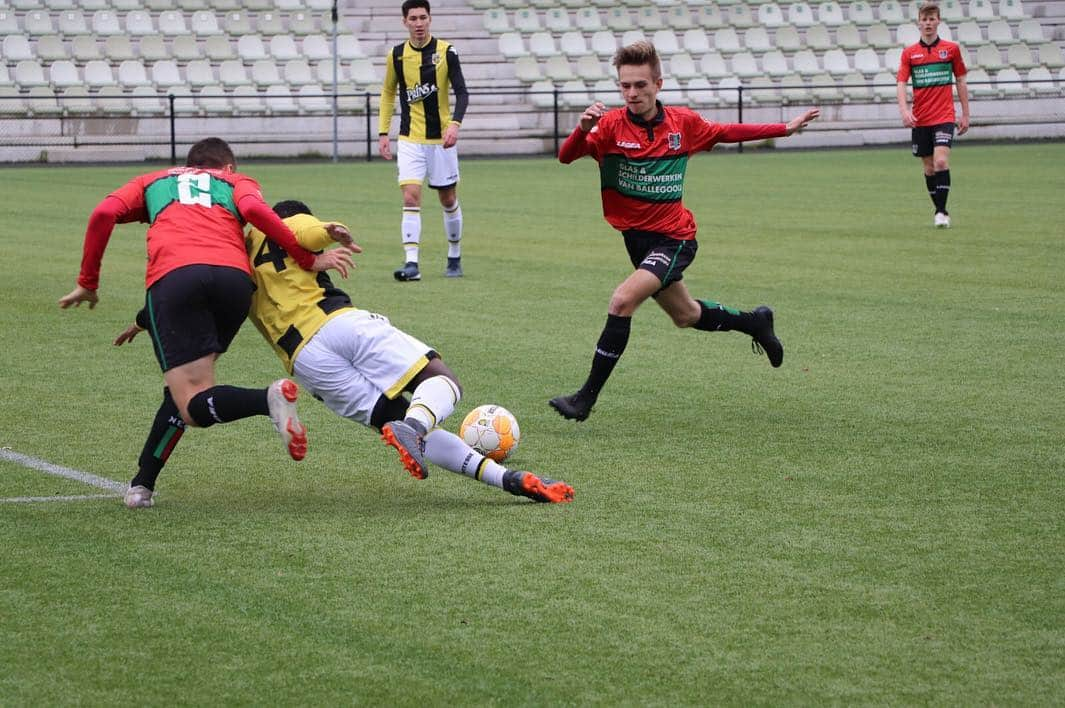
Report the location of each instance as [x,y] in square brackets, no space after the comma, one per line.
[639,54]
[928,8]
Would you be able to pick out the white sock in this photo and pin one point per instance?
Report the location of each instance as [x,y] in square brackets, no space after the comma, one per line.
[411,228]
[453,229]
[432,401]
[447,450]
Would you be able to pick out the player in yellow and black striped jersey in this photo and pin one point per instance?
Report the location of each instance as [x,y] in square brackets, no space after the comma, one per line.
[421,72]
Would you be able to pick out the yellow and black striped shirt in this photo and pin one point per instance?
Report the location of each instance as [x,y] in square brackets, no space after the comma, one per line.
[421,77]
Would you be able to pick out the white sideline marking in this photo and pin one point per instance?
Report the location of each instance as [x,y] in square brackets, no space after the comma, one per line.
[60,471]
[26,500]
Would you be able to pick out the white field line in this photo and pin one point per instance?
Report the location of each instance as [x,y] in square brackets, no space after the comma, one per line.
[60,471]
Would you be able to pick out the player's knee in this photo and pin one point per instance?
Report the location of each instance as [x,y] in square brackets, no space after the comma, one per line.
[941,163]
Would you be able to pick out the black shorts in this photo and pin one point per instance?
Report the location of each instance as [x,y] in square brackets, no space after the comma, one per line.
[195,311]
[927,137]
[659,254]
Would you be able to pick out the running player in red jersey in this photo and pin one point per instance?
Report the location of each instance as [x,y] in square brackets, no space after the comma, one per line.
[642,151]
[199,289]
[934,65]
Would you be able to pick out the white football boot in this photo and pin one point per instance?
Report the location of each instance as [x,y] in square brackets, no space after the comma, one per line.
[139,497]
[941,220]
[281,398]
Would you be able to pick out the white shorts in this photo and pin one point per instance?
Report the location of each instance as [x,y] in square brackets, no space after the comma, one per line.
[354,359]
[417,161]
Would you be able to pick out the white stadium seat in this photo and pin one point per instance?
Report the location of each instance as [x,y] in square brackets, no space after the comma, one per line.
[63,74]
[132,72]
[283,47]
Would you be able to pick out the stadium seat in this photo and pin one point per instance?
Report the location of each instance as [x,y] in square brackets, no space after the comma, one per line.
[825,89]
[132,73]
[969,34]
[105,23]
[150,48]
[1019,56]
[172,23]
[740,16]
[232,73]
[891,59]
[672,91]
[679,18]
[29,73]
[316,47]
[200,73]
[1050,55]
[217,48]
[848,37]
[269,24]
[237,24]
[756,39]
[830,14]
[989,58]
[64,73]
[907,34]
[557,20]
[805,63]
[885,87]
[85,48]
[573,44]
[855,88]
[726,40]
[696,42]
[713,65]
[665,42]
[590,69]
[323,71]
[256,6]
[631,36]
[890,12]
[649,19]
[279,100]
[75,101]
[363,73]
[606,91]
[1041,82]
[588,20]
[728,90]
[16,48]
[313,98]
[41,101]
[111,100]
[496,21]
[527,21]
[247,100]
[213,100]
[770,15]
[836,63]
[9,23]
[542,45]
[879,36]
[867,61]
[860,13]
[1011,10]
[818,38]
[38,22]
[951,11]
[144,101]
[511,45]
[126,5]
[297,72]
[787,39]
[224,5]
[527,70]
[979,84]
[999,32]
[1009,82]
[744,65]
[981,10]
[761,89]
[542,94]
[165,74]
[1030,32]
[250,48]
[682,66]
[93,5]
[139,23]
[604,43]
[73,22]
[701,93]
[50,48]
[185,48]
[558,69]
[265,72]
[775,64]
[283,47]
[349,48]
[800,15]
[619,19]
[303,23]
[99,73]
[204,23]
[709,17]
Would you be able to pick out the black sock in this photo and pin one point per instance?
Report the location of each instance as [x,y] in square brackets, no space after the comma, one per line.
[611,346]
[716,317]
[942,190]
[224,404]
[166,431]
[930,182]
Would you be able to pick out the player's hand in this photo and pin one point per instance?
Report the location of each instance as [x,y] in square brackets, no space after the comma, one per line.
[798,123]
[963,125]
[384,148]
[340,234]
[451,135]
[591,115]
[338,259]
[128,334]
[908,119]
[77,296]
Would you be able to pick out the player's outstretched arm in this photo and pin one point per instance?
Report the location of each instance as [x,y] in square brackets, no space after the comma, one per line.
[338,259]
[77,296]
[128,334]
[799,122]
[341,234]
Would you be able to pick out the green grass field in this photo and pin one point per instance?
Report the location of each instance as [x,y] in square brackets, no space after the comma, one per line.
[880,521]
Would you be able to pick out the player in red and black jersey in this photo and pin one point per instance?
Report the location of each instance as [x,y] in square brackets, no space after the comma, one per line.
[934,65]
[643,151]
[199,290]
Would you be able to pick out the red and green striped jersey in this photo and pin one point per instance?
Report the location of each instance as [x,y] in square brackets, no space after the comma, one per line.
[642,163]
[932,68]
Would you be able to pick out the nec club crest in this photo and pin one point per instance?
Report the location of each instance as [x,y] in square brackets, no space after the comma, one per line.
[674,141]
[943,53]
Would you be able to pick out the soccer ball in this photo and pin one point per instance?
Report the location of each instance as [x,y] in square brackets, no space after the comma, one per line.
[492,431]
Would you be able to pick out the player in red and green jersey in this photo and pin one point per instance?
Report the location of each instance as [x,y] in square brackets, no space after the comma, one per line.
[934,65]
[642,151]
[199,289]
